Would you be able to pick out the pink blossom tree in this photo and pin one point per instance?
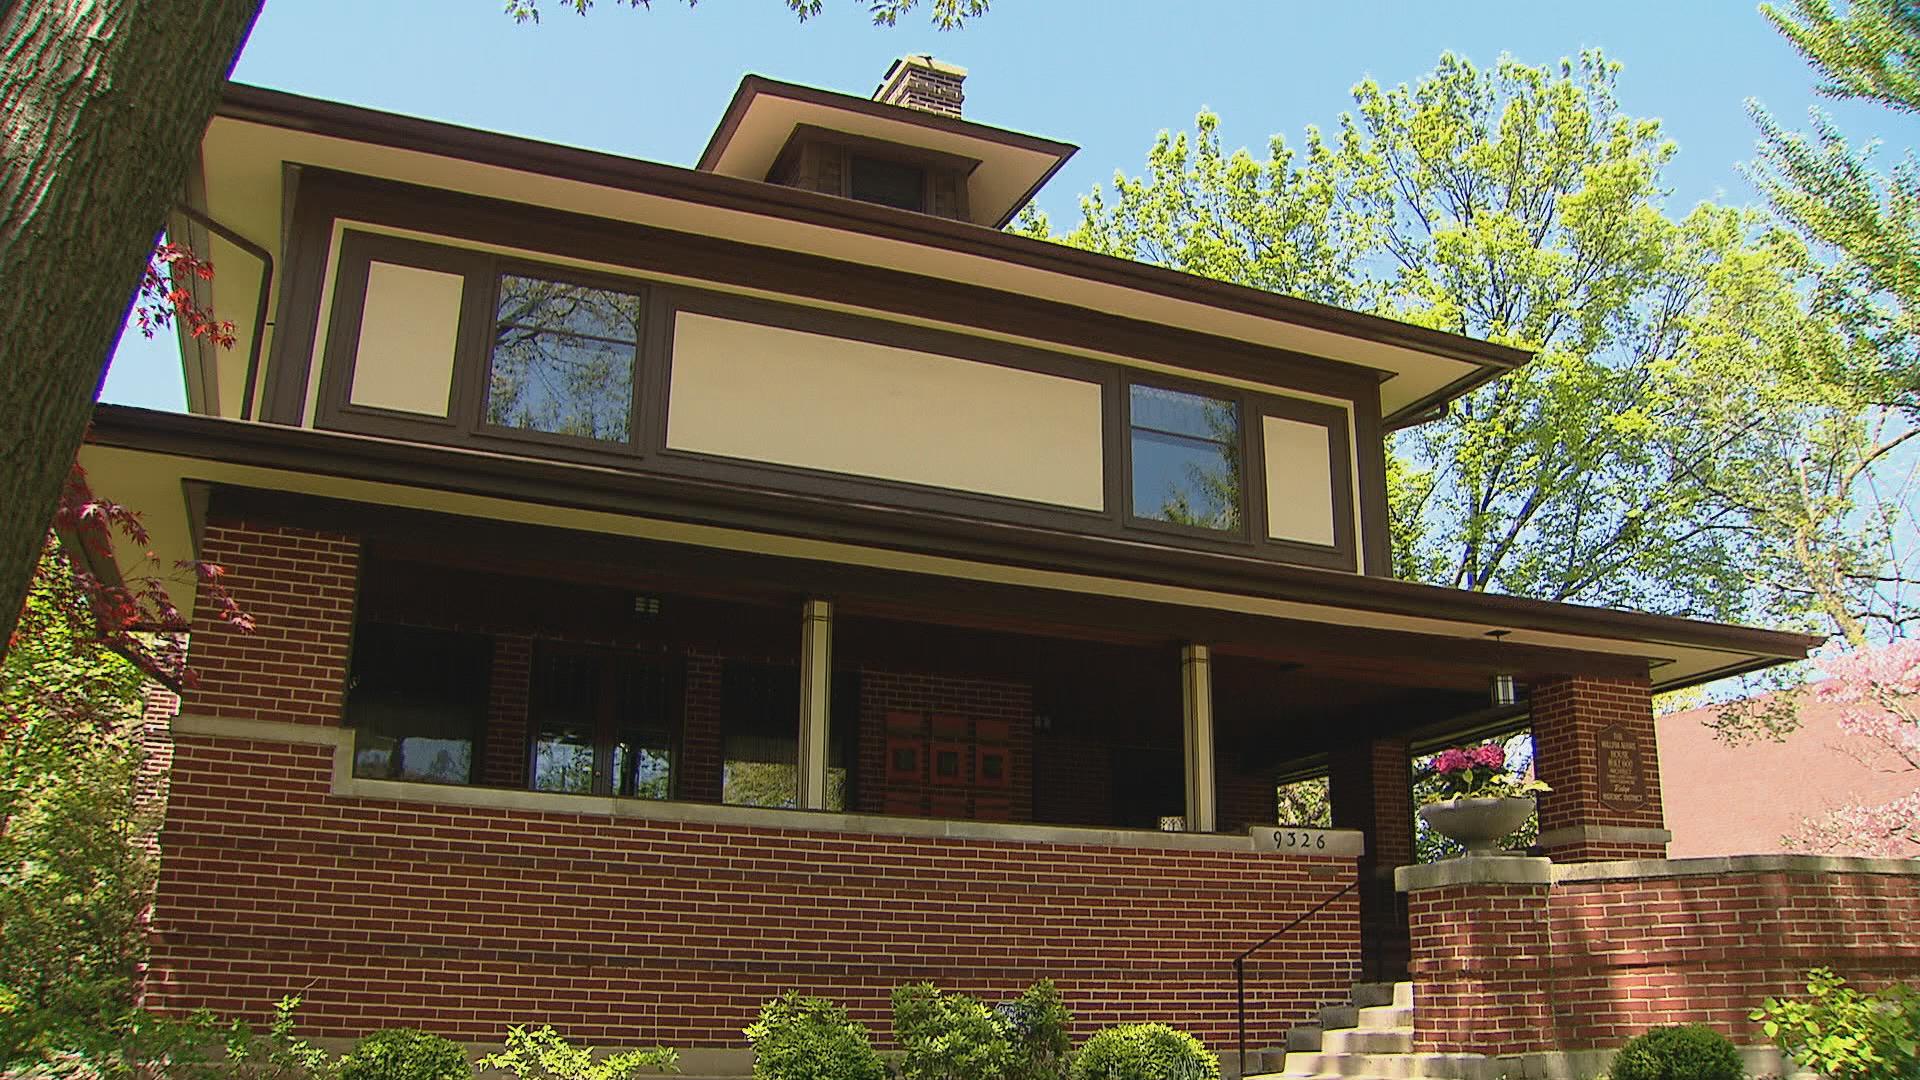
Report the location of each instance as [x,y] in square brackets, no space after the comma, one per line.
[1877,690]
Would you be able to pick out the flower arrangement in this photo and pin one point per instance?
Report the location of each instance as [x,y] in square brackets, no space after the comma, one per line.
[1478,772]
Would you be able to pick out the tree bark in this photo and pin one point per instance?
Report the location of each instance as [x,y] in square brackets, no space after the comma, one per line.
[102,107]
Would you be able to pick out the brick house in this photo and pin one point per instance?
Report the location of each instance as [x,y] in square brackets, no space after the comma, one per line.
[676,586]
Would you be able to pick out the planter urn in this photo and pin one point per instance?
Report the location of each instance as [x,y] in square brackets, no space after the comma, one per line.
[1478,824]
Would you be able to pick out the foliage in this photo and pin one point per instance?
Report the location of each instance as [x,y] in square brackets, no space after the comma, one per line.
[166,294]
[1678,1052]
[946,14]
[1476,772]
[544,1054]
[1304,802]
[947,1036]
[810,1038]
[1521,205]
[1842,1033]
[1429,845]
[1035,1025]
[74,874]
[1871,53]
[1144,1052]
[404,1054]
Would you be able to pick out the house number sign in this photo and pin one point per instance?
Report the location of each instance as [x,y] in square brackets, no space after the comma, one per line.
[1622,776]
[1297,841]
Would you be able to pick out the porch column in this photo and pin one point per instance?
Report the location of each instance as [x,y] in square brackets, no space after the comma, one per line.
[1593,742]
[1370,786]
[1196,683]
[816,685]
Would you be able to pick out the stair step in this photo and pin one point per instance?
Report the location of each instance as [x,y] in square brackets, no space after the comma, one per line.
[1339,1016]
[1304,1039]
[1365,1041]
[1386,1018]
[1392,1066]
[1371,995]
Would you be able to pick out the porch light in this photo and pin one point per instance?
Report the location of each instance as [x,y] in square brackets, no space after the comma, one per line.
[1502,690]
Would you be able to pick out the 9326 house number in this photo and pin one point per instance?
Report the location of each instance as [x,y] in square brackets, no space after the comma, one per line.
[1299,840]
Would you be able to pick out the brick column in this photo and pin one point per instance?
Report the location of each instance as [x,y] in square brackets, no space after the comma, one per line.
[1594,743]
[1370,784]
[1481,941]
[505,748]
[299,586]
[702,768]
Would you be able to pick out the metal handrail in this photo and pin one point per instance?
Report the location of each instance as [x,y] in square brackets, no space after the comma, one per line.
[1240,963]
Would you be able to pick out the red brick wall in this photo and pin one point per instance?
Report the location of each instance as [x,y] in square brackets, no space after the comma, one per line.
[299,587]
[702,771]
[505,753]
[1245,798]
[463,920]
[1585,965]
[1568,716]
[1632,954]
[883,692]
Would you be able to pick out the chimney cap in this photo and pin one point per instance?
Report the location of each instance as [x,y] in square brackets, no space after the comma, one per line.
[919,60]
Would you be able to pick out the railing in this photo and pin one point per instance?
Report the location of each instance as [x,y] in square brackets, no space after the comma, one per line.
[1240,963]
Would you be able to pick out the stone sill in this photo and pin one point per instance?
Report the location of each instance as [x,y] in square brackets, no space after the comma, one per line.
[1526,870]
[1339,844]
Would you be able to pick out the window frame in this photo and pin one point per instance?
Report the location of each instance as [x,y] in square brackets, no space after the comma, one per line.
[606,723]
[1252,474]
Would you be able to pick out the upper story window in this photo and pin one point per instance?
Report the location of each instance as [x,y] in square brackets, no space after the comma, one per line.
[1185,451]
[889,183]
[562,359]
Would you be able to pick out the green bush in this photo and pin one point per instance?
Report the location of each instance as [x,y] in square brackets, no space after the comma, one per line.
[1144,1052]
[948,1036]
[1035,1024]
[1681,1052]
[1847,1035]
[544,1054]
[810,1038]
[405,1054]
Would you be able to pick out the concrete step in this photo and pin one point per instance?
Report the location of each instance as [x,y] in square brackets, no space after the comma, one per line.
[1373,995]
[1304,1039]
[1393,1066]
[1367,1041]
[1333,1017]
[1386,1018]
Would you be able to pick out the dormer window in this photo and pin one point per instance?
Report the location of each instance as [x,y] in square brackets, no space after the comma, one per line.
[889,183]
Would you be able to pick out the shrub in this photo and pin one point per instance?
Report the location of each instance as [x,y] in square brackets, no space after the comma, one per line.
[405,1054]
[545,1054]
[948,1036]
[1680,1052]
[1035,1024]
[810,1038]
[1845,1034]
[1144,1052]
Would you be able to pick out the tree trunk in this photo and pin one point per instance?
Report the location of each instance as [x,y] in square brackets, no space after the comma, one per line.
[102,106]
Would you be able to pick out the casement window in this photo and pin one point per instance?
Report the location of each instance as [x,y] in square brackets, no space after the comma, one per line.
[417,701]
[602,722]
[1186,458]
[759,735]
[561,359]
[889,183]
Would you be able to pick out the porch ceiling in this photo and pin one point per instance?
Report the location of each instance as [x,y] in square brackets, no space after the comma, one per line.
[885,562]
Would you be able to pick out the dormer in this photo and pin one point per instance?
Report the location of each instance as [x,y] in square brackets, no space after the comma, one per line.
[907,147]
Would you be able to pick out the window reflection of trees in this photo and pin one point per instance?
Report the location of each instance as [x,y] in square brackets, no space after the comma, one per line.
[563,359]
[1202,435]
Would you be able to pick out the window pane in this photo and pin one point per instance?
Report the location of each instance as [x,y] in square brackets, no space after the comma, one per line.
[1186,481]
[889,183]
[643,753]
[417,701]
[1186,458]
[563,713]
[563,358]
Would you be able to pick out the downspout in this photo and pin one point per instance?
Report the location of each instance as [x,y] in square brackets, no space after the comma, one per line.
[260,310]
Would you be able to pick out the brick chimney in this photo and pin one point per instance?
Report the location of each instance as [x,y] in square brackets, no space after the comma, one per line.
[921,82]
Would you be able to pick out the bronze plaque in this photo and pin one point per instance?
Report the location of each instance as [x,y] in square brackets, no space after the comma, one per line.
[1623,778]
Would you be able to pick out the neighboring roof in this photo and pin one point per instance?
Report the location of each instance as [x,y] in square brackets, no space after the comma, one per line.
[1721,799]
[764,113]
[1681,652]
[1421,369]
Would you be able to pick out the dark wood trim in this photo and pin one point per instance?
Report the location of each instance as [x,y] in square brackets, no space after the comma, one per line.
[274,108]
[1370,459]
[753,86]
[648,449]
[780,513]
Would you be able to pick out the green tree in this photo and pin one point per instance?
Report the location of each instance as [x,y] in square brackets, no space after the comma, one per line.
[1627,465]
[1864,220]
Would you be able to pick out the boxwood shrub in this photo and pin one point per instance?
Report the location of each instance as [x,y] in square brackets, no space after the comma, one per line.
[405,1054]
[1144,1052]
[1680,1052]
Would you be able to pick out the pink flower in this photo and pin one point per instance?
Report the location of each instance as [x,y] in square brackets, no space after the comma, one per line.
[1492,755]
[1455,760]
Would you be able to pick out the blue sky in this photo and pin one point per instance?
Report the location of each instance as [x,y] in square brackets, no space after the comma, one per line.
[1105,74]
